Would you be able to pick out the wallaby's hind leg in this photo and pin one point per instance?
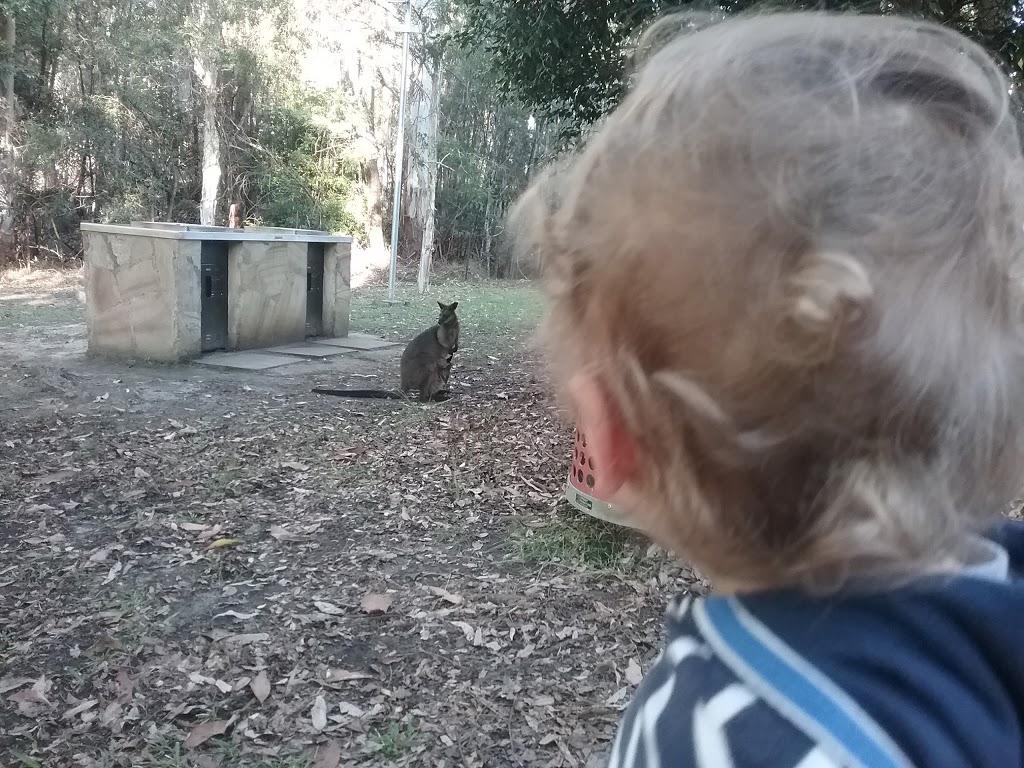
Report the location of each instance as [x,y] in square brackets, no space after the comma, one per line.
[433,386]
[435,396]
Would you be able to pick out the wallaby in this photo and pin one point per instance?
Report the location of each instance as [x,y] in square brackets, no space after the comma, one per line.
[426,363]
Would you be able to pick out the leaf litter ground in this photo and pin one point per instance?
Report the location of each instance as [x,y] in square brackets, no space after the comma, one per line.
[201,568]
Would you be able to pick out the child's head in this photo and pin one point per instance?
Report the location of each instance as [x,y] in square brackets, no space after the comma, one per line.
[782,298]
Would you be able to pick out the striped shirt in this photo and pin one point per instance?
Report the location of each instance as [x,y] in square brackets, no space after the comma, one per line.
[693,710]
[928,664]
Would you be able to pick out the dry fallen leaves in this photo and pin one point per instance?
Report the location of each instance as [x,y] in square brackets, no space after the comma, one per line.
[342,675]
[327,755]
[32,702]
[329,608]
[205,731]
[260,686]
[318,714]
[633,673]
[221,543]
[10,683]
[447,525]
[281,533]
[246,639]
[447,596]
[376,603]
[79,709]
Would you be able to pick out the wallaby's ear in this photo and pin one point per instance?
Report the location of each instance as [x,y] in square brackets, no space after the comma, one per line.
[442,306]
[453,305]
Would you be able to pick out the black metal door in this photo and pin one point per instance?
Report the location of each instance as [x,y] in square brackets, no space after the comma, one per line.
[315,290]
[214,292]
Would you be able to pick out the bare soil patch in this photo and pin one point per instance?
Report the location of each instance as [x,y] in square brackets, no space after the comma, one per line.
[203,568]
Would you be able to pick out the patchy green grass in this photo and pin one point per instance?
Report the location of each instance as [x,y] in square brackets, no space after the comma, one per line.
[25,761]
[166,752]
[38,297]
[493,314]
[229,753]
[220,483]
[395,740]
[578,540]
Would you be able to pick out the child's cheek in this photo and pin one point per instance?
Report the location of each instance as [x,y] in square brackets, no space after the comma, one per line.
[640,513]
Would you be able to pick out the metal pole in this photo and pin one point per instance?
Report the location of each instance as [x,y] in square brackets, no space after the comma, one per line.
[399,152]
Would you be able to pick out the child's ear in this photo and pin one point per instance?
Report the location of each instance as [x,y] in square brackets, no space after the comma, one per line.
[609,442]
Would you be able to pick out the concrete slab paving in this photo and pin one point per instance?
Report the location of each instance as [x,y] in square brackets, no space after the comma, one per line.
[308,350]
[383,355]
[353,341]
[248,361]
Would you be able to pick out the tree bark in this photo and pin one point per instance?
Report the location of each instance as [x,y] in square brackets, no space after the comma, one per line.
[423,147]
[8,167]
[426,138]
[374,209]
[211,170]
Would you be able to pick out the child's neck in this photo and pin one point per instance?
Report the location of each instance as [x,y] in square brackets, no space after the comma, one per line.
[977,557]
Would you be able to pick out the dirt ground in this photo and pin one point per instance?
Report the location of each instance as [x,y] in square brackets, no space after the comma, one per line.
[201,567]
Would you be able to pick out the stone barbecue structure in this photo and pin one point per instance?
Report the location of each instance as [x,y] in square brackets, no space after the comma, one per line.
[169,292]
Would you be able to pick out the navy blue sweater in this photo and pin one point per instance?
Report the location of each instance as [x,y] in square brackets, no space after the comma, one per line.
[933,673]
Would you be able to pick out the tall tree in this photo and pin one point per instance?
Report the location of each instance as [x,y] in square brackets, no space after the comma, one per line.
[130,109]
[356,48]
[568,58]
[206,66]
[424,102]
[8,168]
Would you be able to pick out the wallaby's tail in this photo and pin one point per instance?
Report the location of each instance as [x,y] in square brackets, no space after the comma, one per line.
[376,394]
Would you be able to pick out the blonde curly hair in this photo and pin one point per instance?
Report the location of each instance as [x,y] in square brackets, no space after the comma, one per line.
[789,257]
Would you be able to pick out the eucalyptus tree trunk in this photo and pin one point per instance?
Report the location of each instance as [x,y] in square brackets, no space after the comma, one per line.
[8,168]
[426,134]
[205,65]
[423,116]
[211,164]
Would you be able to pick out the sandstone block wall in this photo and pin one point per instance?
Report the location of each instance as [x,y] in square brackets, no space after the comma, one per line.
[144,291]
[142,296]
[337,288]
[266,293]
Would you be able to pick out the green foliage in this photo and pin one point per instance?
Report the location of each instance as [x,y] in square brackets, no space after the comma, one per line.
[565,58]
[113,98]
[568,59]
[488,149]
[111,123]
[297,177]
